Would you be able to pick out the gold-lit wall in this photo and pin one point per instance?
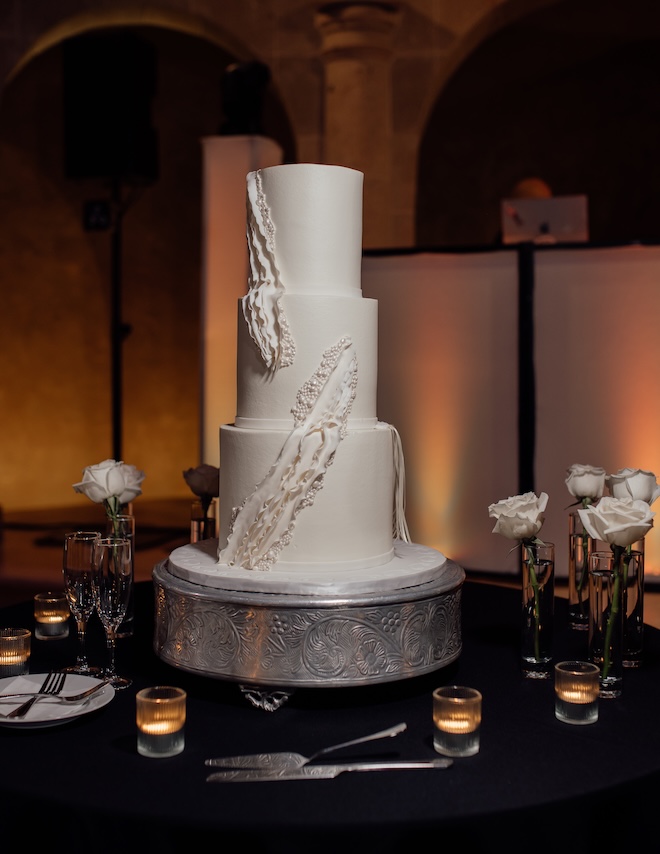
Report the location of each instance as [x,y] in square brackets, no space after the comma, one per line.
[55,391]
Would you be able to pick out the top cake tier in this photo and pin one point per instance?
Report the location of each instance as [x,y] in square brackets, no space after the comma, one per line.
[316,248]
[304,232]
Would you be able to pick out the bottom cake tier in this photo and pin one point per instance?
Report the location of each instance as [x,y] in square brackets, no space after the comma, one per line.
[287,641]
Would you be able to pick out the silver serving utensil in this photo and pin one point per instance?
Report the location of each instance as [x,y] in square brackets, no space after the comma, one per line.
[320,772]
[283,760]
[52,684]
[63,698]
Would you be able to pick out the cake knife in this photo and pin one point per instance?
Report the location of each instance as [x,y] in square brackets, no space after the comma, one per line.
[321,772]
[283,760]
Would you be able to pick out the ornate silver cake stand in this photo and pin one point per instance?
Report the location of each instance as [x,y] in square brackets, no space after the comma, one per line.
[272,644]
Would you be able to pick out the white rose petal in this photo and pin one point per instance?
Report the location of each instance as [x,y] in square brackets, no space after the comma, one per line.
[519,517]
[634,483]
[586,481]
[617,521]
[111,479]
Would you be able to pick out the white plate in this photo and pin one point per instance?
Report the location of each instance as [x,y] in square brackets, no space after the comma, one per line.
[49,711]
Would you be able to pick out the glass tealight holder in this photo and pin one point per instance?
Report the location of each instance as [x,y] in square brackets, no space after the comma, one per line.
[161,718]
[51,616]
[577,687]
[456,720]
[14,652]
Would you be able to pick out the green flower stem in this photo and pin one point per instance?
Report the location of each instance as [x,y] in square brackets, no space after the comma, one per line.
[583,573]
[618,552]
[585,540]
[626,557]
[113,510]
[537,598]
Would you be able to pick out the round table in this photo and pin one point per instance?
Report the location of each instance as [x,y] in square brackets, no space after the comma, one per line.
[536,785]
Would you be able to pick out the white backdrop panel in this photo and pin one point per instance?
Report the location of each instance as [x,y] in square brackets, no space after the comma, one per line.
[448,382]
[597,365]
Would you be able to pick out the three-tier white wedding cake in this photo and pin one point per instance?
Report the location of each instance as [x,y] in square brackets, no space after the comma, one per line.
[311,482]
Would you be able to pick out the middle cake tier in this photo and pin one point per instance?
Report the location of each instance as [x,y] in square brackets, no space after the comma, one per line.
[265,398]
[351,520]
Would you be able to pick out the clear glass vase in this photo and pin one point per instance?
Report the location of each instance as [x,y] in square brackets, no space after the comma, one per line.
[538,606]
[633,583]
[124,526]
[580,546]
[606,620]
[202,521]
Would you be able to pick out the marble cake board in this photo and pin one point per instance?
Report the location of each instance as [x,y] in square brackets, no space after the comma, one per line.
[273,642]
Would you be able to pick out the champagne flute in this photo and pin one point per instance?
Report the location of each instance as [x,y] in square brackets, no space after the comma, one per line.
[112,580]
[77,572]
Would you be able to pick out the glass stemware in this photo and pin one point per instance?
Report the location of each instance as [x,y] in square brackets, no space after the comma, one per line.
[77,573]
[112,580]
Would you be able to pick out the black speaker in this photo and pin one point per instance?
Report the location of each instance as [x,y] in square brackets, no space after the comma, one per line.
[243,90]
[109,81]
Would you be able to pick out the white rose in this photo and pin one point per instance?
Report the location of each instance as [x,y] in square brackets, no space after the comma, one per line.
[111,479]
[586,481]
[520,517]
[634,483]
[203,480]
[617,521]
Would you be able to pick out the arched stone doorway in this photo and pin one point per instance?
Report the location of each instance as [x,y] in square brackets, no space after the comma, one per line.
[566,93]
[54,326]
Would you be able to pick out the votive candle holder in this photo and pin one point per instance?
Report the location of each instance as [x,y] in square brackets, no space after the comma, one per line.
[577,687]
[161,718]
[456,720]
[51,616]
[14,651]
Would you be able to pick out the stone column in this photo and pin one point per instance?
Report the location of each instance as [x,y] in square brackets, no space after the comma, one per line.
[356,48]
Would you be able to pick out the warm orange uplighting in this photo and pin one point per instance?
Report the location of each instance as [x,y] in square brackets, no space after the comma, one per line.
[597,398]
[448,374]
[445,321]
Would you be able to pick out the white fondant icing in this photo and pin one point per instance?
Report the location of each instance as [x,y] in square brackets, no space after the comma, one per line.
[400,531]
[305,240]
[351,520]
[316,323]
[262,307]
[410,564]
[264,524]
[316,215]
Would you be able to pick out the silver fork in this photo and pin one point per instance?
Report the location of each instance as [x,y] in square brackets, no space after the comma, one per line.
[64,698]
[52,684]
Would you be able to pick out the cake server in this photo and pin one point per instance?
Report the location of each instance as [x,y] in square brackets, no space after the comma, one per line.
[284,760]
[320,772]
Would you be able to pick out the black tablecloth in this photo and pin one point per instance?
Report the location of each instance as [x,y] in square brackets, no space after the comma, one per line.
[536,785]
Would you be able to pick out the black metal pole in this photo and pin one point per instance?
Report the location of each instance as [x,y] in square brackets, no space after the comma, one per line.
[526,372]
[116,329]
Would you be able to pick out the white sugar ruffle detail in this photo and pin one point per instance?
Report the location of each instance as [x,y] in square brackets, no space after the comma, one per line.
[262,309]
[400,526]
[264,524]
